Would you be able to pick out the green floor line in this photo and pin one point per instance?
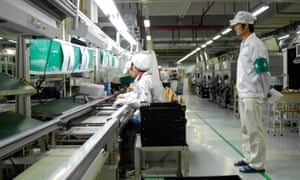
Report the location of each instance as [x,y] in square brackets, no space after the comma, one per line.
[227,142]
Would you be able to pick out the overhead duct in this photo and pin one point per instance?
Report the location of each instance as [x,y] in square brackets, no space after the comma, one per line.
[20,18]
[58,9]
[91,35]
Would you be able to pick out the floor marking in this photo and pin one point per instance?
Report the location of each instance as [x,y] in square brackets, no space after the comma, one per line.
[227,142]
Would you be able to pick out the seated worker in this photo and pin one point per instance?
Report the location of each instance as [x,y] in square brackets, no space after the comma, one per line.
[128,70]
[164,75]
[148,87]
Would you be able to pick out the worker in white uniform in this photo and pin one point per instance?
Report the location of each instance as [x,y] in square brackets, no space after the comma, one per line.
[253,82]
[148,87]
[128,69]
[165,78]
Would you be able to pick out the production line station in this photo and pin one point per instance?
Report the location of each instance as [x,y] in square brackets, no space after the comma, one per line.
[61,70]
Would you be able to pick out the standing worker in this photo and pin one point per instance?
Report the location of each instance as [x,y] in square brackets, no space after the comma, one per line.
[253,82]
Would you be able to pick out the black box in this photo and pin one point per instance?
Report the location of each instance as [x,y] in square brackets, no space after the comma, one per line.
[228,177]
[163,124]
[205,92]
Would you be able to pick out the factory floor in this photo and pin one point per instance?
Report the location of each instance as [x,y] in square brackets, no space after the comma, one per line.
[213,135]
[214,139]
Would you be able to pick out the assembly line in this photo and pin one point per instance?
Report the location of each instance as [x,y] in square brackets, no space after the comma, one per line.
[83,100]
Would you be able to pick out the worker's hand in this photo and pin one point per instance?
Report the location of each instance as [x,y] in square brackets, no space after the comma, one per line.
[119,102]
[129,89]
[120,96]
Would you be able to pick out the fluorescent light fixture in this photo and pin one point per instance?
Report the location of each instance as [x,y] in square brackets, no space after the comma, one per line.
[260,10]
[203,46]
[128,37]
[1,38]
[148,37]
[10,51]
[283,37]
[108,7]
[209,42]
[217,37]
[12,41]
[298,32]
[188,55]
[110,10]
[226,31]
[147,23]
[182,59]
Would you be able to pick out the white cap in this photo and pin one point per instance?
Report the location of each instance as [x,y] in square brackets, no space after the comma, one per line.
[142,61]
[127,66]
[243,17]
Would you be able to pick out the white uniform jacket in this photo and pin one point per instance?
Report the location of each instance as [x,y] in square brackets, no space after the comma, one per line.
[147,91]
[249,82]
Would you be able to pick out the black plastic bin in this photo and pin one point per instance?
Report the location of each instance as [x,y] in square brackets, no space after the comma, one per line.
[163,124]
[228,177]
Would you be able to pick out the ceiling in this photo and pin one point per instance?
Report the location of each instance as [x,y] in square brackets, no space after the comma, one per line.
[180,26]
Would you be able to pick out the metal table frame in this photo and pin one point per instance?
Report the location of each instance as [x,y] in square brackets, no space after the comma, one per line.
[139,158]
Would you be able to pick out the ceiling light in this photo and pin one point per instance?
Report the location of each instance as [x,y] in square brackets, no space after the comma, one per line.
[217,37]
[182,59]
[109,8]
[260,10]
[203,46]
[128,37]
[12,41]
[147,23]
[209,42]
[148,37]
[283,37]
[226,31]
[1,38]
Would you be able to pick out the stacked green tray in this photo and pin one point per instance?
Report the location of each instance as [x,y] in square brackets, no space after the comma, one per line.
[126,79]
[12,86]
[55,108]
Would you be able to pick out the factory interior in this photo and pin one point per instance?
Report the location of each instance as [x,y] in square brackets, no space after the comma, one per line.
[62,71]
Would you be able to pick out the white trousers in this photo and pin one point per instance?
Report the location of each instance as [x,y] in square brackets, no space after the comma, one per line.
[253,137]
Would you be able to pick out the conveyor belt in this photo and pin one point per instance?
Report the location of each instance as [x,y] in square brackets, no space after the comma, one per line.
[83,132]
[78,164]
[95,120]
[12,123]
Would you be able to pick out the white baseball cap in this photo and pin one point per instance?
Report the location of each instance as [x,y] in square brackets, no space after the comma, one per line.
[127,66]
[142,61]
[243,17]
